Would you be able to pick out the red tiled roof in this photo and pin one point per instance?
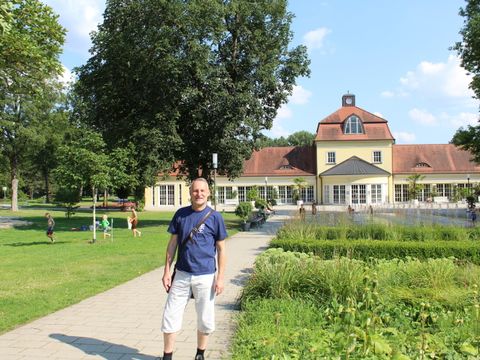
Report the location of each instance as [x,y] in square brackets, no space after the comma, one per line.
[441,158]
[330,128]
[281,161]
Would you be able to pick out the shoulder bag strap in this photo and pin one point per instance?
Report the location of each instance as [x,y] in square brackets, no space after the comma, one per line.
[182,244]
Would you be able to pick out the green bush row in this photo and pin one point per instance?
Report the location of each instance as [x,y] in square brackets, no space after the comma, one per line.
[383,249]
[375,231]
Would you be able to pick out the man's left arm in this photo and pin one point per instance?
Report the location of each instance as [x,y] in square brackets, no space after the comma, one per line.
[221,260]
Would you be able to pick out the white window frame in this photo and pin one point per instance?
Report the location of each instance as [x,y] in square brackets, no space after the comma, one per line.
[329,155]
[377,153]
[353,125]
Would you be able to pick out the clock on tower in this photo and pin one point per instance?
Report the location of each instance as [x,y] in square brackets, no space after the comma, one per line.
[348,100]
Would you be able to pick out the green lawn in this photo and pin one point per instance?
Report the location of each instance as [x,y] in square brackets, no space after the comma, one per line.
[38,277]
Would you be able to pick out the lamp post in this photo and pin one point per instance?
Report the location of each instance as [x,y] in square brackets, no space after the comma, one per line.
[215,164]
[94,193]
[266,183]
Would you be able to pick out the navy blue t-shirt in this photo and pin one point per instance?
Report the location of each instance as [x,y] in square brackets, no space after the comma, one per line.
[198,256]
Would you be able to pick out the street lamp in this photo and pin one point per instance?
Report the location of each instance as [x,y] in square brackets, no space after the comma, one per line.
[215,164]
[468,184]
[266,183]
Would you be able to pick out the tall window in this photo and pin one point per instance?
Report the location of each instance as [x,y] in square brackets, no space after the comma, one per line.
[285,194]
[224,192]
[444,190]
[353,125]
[339,194]
[242,193]
[331,157]
[359,194]
[377,157]
[401,192]
[376,193]
[306,194]
[166,195]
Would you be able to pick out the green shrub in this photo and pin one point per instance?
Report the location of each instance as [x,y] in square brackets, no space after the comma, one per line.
[384,249]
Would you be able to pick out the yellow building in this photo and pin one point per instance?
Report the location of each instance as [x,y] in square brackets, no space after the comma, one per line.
[353,161]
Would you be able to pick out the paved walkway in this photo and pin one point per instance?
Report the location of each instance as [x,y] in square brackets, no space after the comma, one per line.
[124,323]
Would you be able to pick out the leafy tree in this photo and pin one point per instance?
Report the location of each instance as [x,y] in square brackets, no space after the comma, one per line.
[5,16]
[186,79]
[299,184]
[29,67]
[414,187]
[68,198]
[83,162]
[469,51]
[469,47]
[301,138]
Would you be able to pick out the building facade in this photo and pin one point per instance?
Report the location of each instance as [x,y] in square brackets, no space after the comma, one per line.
[353,161]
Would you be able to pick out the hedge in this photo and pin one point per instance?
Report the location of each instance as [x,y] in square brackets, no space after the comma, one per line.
[384,249]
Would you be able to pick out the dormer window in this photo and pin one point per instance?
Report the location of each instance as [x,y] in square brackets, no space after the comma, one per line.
[286,167]
[422,165]
[353,125]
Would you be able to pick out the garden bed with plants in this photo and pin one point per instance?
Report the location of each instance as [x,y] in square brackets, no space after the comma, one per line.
[298,305]
[381,241]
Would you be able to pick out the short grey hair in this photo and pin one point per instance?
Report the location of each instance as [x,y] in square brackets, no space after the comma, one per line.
[199,179]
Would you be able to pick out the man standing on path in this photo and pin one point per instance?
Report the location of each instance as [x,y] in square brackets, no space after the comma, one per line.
[199,233]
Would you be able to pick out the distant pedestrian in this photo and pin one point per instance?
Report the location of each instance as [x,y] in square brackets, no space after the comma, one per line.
[314,208]
[105,226]
[134,223]
[302,212]
[50,226]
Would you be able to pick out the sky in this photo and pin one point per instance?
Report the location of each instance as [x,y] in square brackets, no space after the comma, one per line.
[392,55]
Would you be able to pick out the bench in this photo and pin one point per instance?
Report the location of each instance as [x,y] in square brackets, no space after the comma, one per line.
[258,220]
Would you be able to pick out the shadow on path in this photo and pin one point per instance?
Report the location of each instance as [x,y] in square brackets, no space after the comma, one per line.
[105,349]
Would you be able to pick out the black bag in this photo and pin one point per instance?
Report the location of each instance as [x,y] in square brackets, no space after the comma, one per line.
[182,244]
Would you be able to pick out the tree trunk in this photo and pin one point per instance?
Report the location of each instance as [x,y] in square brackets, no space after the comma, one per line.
[47,187]
[14,169]
[105,198]
[15,193]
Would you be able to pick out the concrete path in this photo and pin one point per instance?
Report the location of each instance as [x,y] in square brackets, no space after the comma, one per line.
[124,323]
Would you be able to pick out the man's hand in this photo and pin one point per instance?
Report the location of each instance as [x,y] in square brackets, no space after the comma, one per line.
[167,281]
[219,286]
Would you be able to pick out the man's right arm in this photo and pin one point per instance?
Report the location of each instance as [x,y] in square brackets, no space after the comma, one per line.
[170,254]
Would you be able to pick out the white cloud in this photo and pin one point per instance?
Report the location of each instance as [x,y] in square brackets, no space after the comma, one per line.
[404,137]
[314,39]
[444,81]
[422,117]
[387,94]
[284,113]
[67,77]
[462,119]
[300,96]
[79,17]
[378,114]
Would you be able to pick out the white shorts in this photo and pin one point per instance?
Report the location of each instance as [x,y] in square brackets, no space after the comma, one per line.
[203,291]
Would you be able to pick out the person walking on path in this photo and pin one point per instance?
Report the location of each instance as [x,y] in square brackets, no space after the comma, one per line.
[50,226]
[199,233]
[105,226]
[134,223]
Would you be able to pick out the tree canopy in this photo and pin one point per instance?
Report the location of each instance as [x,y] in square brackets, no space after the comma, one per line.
[29,66]
[299,138]
[469,51]
[182,80]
